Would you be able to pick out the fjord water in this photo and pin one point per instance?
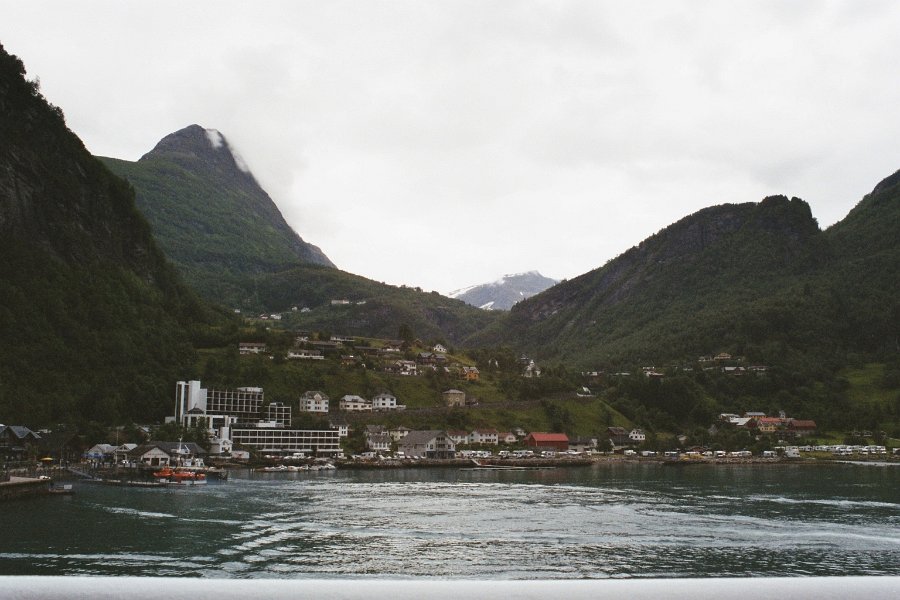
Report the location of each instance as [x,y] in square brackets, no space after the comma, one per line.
[619,520]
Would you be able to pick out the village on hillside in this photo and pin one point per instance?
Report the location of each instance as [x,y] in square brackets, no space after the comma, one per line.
[239,426]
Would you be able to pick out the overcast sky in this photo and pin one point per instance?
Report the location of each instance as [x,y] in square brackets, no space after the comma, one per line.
[443,144]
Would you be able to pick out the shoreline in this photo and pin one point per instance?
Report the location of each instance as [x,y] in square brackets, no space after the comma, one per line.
[499,464]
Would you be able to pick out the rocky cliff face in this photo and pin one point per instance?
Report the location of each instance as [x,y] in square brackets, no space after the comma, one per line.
[55,194]
[93,317]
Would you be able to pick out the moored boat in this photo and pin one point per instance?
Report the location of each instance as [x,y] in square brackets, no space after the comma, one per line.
[180,476]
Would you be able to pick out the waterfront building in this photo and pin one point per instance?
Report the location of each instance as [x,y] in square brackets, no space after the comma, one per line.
[484,436]
[553,441]
[235,417]
[427,444]
[378,442]
[17,441]
[159,454]
[269,438]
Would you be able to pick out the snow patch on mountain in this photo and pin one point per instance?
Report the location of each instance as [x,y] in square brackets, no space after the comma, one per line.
[504,292]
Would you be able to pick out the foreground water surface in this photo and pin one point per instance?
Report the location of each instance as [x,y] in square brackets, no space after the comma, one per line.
[622,520]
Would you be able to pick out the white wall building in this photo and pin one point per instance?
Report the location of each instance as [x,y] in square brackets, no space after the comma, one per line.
[324,442]
[234,417]
[314,402]
[354,403]
[484,436]
[386,401]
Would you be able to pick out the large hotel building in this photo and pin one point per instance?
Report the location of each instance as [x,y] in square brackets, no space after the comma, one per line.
[236,417]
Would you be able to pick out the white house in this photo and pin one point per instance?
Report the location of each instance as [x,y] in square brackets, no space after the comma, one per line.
[458,436]
[354,403]
[101,452]
[637,436]
[398,433]
[386,401]
[251,347]
[157,454]
[439,348]
[303,354]
[378,442]
[339,423]
[484,436]
[314,401]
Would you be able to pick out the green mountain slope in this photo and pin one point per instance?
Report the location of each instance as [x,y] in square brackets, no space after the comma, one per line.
[698,285]
[375,309]
[233,246]
[759,280]
[210,215]
[864,272]
[95,323]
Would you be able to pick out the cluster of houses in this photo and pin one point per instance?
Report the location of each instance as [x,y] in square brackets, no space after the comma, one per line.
[381,440]
[389,356]
[760,423]
[149,454]
[16,442]
[722,362]
[442,444]
[318,402]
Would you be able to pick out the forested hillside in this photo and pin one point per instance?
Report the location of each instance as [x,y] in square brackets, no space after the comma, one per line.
[95,323]
[756,280]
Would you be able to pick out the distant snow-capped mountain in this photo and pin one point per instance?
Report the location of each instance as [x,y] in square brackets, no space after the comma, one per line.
[506,291]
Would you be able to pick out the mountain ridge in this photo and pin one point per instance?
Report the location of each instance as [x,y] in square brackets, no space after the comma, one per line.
[719,278]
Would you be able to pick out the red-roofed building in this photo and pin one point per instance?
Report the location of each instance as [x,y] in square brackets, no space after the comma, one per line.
[768,424]
[556,441]
[801,427]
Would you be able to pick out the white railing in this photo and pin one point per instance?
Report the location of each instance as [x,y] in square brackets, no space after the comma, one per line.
[134,588]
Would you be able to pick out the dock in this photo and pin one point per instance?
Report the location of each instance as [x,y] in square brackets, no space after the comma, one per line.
[23,487]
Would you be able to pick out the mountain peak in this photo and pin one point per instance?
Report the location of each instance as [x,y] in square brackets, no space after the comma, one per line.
[196,143]
[887,183]
[210,215]
[503,293]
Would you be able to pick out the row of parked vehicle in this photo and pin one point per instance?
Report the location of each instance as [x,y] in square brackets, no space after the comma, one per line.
[854,450]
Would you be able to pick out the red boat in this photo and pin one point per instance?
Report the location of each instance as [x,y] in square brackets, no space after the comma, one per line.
[180,476]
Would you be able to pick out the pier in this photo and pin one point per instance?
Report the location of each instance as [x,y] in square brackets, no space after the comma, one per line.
[23,487]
